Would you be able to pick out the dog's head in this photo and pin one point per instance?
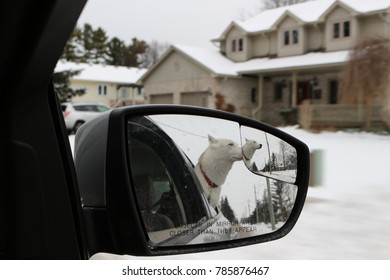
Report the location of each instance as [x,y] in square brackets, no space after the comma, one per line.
[250,148]
[224,149]
[252,144]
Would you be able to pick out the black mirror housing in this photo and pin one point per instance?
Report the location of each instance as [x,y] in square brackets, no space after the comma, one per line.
[112,208]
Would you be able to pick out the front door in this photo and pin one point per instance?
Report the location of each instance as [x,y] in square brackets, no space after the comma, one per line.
[303,91]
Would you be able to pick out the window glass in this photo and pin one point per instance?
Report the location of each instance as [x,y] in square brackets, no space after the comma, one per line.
[278,93]
[102,90]
[347,30]
[100,108]
[233,45]
[336,30]
[295,36]
[286,37]
[167,196]
[240,44]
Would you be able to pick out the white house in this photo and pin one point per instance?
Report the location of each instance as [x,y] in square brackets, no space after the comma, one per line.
[112,85]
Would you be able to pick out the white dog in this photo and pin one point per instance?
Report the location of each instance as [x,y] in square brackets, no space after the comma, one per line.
[214,165]
[248,150]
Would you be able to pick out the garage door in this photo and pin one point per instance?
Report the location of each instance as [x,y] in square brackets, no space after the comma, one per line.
[195,98]
[161,98]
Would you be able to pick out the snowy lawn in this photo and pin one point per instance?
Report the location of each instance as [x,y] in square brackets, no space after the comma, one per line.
[348,217]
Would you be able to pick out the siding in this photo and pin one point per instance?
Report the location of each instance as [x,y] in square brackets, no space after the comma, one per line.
[287,25]
[340,15]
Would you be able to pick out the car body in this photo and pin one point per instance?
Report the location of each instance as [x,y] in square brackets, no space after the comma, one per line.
[76,114]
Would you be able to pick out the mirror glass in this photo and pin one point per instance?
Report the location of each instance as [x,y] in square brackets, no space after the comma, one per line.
[201,179]
[267,155]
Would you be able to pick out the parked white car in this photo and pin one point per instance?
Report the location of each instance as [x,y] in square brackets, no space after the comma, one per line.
[76,114]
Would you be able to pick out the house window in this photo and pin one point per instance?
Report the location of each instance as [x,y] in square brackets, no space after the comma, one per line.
[295,36]
[240,45]
[336,30]
[341,29]
[233,45]
[291,37]
[253,95]
[124,93]
[347,28]
[287,38]
[278,91]
[102,89]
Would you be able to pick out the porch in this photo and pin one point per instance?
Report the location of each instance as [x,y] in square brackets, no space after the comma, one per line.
[339,116]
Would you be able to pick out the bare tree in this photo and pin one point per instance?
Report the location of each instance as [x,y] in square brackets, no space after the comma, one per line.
[266,5]
[153,52]
[365,78]
[272,4]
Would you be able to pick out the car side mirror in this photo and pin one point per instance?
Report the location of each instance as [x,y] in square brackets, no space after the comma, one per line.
[157,180]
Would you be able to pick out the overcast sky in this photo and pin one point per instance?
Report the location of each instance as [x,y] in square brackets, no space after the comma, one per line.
[186,22]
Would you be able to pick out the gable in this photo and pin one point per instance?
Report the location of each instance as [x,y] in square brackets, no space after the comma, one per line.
[176,67]
[287,22]
[233,27]
[338,12]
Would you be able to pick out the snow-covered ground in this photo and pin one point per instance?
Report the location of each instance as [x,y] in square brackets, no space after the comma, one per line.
[347,217]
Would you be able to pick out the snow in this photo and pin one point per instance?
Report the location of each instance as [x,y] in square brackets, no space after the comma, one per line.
[102,73]
[308,12]
[318,59]
[212,59]
[347,217]
[215,62]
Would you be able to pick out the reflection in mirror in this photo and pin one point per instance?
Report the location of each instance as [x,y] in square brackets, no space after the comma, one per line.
[267,155]
[192,181]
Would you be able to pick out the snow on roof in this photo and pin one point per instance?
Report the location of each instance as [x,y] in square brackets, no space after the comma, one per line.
[211,59]
[102,73]
[220,65]
[309,60]
[308,12]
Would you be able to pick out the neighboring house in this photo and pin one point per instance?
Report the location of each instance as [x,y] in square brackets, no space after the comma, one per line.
[280,62]
[111,85]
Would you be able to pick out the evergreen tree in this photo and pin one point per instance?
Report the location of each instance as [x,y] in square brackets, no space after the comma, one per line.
[74,49]
[116,49]
[261,212]
[88,43]
[61,85]
[133,51]
[227,211]
[99,50]
[283,198]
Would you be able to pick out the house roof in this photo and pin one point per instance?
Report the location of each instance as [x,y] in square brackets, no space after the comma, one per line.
[217,64]
[102,73]
[209,59]
[307,12]
[305,61]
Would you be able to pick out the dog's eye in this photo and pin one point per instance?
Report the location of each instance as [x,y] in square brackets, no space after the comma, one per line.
[231,144]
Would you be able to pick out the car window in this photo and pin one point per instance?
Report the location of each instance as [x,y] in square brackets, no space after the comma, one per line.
[157,195]
[80,107]
[85,108]
[166,194]
[101,108]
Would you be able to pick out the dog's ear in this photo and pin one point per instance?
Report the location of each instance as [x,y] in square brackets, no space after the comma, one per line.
[211,139]
[246,140]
